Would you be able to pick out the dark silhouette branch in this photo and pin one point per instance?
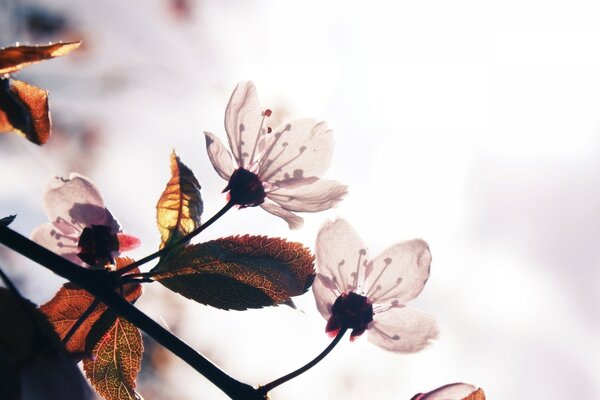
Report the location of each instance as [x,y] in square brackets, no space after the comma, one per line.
[101,286]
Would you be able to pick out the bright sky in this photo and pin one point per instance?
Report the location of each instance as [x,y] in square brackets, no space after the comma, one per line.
[473,125]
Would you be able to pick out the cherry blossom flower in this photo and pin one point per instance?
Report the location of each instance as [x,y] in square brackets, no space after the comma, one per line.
[453,391]
[279,169]
[356,292]
[81,229]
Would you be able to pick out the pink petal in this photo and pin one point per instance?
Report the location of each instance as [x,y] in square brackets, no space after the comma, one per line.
[52,238]
[326,293]
[127,242]
[298,149]
[294,221]
[454,391]
[244,123]
[318,196]
[399,273]
[402,329]
[76,201]
[341,255]
[220,157]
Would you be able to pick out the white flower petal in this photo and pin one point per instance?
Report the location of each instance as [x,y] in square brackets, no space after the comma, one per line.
[341,254]
[318,196]
[453,391]
[326,292]
[52,238]
[298,149]
[76,201]
[294,221]
[221,159]
[243,123]
[399,273]
[402,329]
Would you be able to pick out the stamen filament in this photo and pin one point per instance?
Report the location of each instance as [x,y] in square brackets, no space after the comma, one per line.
[268,177]
[360,254]
[268,152]
[260,130]
[374,284]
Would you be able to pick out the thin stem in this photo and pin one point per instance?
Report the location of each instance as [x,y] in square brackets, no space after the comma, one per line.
[176,243]
[100,287]
[270,386]
[80,321]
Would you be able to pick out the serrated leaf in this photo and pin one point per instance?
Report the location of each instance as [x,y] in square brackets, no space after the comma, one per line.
[69,304]
[239,272]
[115,362]
[180,206]
[14,58]
[24,111]
[6,221]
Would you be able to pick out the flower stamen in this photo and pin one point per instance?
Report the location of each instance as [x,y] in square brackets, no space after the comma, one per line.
[387,261]
[261,132]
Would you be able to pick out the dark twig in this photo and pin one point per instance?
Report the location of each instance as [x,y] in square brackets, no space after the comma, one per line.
[100,286]
[272,385]
[80,321]
[177,243]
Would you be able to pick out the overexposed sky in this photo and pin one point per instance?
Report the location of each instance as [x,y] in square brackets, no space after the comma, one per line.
[473,125]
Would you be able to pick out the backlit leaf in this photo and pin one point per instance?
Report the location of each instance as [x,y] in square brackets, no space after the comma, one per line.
[116,360]
[477,395]
[180,206]
[238,272]
[24,111]
[70,302]
[16,57]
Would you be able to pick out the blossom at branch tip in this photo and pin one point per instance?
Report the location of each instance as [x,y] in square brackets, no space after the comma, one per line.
[353,291]
[81,228]
[277,169]
[453,391]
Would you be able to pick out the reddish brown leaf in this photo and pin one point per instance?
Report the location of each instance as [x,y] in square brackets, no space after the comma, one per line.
[14,58]
[239,272]
[180,206]
[70,302]
[477,395]
[115,362]
[24,111]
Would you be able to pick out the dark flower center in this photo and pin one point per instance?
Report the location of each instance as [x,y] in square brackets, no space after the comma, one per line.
[245,188]
[96,245]
[351,311]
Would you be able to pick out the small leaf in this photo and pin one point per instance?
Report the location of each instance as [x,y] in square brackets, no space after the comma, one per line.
[477,395]
[24,111]
[239,272]
[70,302]
[6,221]
[115,362]
[14,58]
[180,206]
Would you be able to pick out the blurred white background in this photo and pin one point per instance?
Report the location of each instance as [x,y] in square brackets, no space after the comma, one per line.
[474,125]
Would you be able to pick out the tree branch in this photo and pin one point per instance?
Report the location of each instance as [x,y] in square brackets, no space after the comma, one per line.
[98,284]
